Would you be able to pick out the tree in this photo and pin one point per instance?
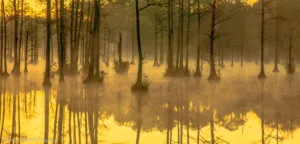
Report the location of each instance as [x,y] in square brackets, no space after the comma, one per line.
[170,68]
[277,38]
[62,42]
[139,85]
[200,14]
[47,81]
[3,22]
[156,32]
[186,70]
[16,68]
[216,19]
[262,74]
[94,51]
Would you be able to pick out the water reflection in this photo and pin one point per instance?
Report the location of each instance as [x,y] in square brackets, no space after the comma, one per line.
[181,111]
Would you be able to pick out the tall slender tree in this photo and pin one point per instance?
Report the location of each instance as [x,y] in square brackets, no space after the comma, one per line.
[47,81]
[62,42]
[16,68]
[262,74]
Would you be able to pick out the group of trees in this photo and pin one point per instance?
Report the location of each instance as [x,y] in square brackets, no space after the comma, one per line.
[190,27]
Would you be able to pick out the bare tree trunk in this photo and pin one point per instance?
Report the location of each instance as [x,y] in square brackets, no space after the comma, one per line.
[48,69]
[16,67]
[219,52]
[290,63]
[26,52]
[222,56]
[57,33]
[242,55]
[262,74]
[94,44]
[181,37]
[120,48]
[161,53]
[107,49]
[5,73]
[87,35]
[277,38]
[212,74]
[231,56]
[170,37]
[198,71]
[138,85]
[74,44]
[2,46]
[187,40]
[178,36]
[155,41]
[79,33]
[62,42]
[132,46]
[21,30]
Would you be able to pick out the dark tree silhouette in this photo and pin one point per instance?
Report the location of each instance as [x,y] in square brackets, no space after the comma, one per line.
[47,81]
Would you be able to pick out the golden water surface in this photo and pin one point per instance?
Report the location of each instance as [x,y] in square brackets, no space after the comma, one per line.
[239,109]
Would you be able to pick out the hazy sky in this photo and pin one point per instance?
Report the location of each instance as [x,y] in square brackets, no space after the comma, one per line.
[37,6]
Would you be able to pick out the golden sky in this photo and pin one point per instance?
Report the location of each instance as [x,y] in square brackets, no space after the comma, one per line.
[37,6]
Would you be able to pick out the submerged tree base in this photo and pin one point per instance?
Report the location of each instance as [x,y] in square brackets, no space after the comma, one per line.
[121,68]
[156,64]
[5,74]
[197,73]
[262,75]
[291,71]
[214,77]
[276,69]
[141,85]
[16,73]
[47,83]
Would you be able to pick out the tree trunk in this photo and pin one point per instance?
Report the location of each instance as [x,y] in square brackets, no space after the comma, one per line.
[74,44]
[5,73]
[120,48]
[26,52]
[212,74]
[161,53]
[198,71]
[79,33]
[16,67]
[170,37]
[155,41]
[277,38]
[242,55]
[262,74]
[107,49]
[132,46]
[94,44]
[57,33]
[138,85]
[87,35]
[290,64]
[178,36]
[231,56]
[62,42]
[181,37]
[21,31]
[2,45]
[48,24]
[187,41]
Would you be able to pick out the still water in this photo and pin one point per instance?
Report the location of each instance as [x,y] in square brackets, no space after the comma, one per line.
[239,109]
